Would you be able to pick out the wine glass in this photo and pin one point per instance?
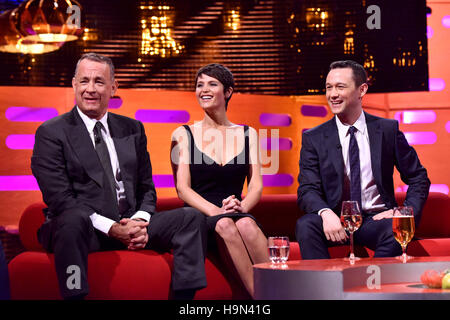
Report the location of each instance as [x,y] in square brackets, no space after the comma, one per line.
[351,220]
[278,249]
[403,228]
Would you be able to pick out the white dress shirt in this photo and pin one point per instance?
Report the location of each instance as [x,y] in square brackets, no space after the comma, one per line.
[100,222]
[370,197]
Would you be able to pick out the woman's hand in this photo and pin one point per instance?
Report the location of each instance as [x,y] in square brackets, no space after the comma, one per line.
[231,205]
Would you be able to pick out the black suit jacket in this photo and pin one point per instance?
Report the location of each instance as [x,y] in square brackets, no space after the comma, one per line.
[69,172]
[321,177]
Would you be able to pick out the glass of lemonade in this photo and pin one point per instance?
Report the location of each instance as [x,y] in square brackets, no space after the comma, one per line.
[403,228]
[278,249]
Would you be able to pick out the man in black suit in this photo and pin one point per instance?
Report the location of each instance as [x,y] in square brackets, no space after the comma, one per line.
[95,175]
[352,157]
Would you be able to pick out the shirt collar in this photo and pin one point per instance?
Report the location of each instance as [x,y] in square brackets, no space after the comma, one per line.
[359,124]
[90,123]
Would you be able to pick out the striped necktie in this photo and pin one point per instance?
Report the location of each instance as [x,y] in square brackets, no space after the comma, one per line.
[355,172]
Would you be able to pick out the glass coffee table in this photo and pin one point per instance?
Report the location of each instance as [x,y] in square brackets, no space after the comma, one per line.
[368,278]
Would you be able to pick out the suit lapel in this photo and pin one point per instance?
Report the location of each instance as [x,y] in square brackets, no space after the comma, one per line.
[334,149]
[375,138]
[82,145]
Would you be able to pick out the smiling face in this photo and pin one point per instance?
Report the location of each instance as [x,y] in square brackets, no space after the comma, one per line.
[210,92]
[94,87]
[343,95]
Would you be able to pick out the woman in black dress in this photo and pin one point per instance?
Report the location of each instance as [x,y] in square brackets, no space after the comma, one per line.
[211,160]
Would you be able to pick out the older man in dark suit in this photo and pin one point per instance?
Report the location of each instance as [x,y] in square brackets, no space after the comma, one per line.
[95,175]
[352,157]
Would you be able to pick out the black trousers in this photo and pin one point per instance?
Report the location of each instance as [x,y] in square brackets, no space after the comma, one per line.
[71,236]
[376,235]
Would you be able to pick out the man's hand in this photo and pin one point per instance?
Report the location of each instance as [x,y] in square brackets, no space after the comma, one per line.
[137,232]
[132,233]
[332,227]
[383,215]
[119,232]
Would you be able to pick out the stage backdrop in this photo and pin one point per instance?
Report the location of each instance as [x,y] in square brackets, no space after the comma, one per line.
[23,109]
[423,116]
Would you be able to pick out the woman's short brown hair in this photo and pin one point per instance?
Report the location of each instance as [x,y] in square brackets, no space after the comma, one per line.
[219,72]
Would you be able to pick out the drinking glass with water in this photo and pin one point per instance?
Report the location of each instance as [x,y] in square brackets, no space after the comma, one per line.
[278,249]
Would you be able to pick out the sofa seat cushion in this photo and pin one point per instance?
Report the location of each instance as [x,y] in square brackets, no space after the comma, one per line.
[118,275]
[429,247]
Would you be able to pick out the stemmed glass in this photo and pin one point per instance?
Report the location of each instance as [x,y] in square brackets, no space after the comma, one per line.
[403,228]
[278,249]
[351,220]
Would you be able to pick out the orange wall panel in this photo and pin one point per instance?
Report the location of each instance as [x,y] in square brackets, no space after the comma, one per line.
[243,109]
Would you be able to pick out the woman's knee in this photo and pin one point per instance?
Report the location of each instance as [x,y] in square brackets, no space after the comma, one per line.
[226,228]
[248,228]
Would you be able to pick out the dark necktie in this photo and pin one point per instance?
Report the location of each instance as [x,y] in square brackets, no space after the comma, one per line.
[355,175]
[103,154]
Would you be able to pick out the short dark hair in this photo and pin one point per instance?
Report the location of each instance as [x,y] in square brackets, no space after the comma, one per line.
[98,58]
[219,72]
[359,73]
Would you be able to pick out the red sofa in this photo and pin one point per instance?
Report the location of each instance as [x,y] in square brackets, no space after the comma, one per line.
[146,274]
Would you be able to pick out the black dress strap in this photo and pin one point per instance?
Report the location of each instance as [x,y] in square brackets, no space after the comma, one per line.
[191,142]
[247,145]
